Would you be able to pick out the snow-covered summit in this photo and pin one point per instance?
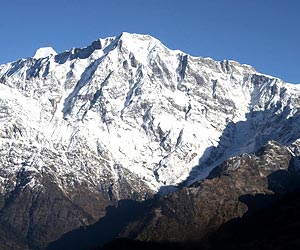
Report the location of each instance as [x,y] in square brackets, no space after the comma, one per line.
[127,109]
[44,52]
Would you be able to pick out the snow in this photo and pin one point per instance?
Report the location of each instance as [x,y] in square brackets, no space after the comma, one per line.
[44,52]
[95,119]
[139,44]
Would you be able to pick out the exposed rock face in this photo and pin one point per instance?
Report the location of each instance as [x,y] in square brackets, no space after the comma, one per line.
[241,186]
[125,118]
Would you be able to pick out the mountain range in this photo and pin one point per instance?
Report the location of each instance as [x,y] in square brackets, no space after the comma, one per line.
[126,123]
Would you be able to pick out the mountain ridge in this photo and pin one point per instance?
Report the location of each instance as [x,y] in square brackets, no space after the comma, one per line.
[125,118]
[101,49]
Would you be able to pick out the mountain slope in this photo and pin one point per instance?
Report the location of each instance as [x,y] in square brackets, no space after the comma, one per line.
[124,118]
[239,188]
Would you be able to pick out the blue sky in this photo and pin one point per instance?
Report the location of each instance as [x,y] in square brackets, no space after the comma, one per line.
[262,33]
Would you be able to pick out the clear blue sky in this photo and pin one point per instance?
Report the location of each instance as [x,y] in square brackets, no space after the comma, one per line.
[262,33]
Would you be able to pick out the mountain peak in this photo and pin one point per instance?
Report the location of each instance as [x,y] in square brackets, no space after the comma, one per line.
[135,38]
[44,52]
[127,35]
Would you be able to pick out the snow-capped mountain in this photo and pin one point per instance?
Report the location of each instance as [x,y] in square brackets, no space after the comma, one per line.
[127,117]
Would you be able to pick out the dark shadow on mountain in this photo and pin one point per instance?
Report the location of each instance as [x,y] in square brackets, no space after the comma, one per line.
[272,227]
[167,189]
[250,135]
[257,202]
[281,182]
[129,244]
[106,229]
[272,221]
[80,53]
